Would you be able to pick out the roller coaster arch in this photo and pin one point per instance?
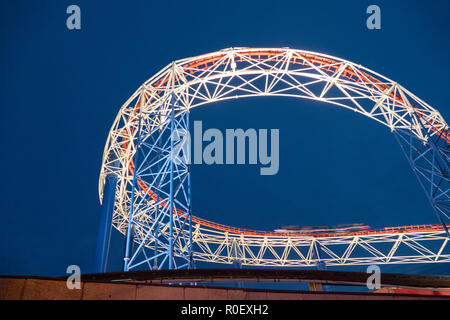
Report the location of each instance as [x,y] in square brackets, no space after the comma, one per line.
[153,192]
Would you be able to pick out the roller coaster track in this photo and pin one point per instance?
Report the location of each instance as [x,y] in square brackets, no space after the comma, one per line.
[152,196]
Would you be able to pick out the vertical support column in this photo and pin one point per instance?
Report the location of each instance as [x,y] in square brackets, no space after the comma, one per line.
[129,237]
[171,182]
[160,223]
[104,230]
[429,164]
[191,257]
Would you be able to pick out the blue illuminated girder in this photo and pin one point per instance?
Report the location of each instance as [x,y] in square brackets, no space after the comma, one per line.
[430,163]
[161,186]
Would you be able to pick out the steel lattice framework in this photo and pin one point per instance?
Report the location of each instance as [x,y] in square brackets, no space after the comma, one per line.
[152,196]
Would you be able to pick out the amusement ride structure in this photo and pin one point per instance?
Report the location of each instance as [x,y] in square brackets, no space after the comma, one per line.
[146,194]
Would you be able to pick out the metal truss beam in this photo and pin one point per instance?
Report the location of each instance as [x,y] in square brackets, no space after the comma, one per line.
[270,251]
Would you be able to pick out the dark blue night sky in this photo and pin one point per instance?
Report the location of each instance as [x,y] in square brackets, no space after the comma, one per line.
[60,91]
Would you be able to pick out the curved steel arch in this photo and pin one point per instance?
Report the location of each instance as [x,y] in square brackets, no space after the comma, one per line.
[140,138]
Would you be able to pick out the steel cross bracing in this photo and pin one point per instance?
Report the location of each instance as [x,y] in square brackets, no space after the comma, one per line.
[161,105]
[155,237]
